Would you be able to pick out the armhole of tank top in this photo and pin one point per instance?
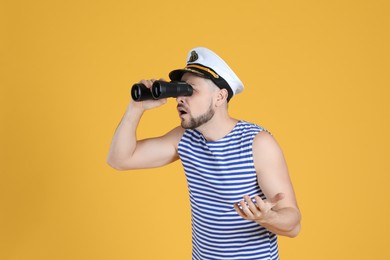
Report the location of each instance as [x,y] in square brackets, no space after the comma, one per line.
[185,135]
[251,145]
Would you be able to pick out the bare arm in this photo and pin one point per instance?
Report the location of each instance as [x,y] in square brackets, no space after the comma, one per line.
[126,152]
[279,213]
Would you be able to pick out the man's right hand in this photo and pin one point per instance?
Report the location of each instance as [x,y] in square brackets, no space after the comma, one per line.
[148,104]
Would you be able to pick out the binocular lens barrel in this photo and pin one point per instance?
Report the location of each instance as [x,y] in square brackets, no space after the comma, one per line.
[140,92]
[162,89]
[159,90]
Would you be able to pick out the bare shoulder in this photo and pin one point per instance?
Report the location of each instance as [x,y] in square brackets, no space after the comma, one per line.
[176,132]
[174,135]
[266,149]
[265,140]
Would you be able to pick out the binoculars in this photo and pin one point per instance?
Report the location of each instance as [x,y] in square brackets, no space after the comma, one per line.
[160,89]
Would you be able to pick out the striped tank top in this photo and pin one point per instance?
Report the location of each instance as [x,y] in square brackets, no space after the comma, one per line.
[219,174]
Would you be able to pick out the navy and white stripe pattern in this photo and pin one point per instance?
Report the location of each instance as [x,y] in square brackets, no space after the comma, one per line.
[219,174]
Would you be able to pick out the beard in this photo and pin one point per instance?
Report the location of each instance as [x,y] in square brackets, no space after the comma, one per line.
[196,122]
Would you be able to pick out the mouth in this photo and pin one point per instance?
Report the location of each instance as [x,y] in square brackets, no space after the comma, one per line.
[182,111]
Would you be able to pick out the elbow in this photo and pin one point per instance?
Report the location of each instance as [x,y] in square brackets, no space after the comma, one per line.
[116,165]
[113,165]
[294,232]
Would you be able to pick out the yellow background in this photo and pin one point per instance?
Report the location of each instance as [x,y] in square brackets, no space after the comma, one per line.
[316,75]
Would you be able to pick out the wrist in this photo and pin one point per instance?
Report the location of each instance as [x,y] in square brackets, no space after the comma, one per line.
[285,221]
[133,113]
[268,219]
[135,107]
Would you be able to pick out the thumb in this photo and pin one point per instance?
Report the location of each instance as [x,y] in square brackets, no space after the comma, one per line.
[278,197]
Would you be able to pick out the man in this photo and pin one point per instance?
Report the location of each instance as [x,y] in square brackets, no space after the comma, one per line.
[240,191]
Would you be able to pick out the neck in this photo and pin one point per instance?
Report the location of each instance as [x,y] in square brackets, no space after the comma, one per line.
[218,127]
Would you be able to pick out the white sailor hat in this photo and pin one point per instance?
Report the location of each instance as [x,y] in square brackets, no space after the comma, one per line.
[205,63]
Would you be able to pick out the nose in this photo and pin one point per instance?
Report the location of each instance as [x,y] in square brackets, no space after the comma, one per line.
[180,99]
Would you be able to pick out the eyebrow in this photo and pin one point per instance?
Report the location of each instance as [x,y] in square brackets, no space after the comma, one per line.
[189,82]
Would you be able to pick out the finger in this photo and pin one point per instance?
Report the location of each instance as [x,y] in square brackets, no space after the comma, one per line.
[260,203]
[251,205]
[245,209]
[147,83]
[240,212]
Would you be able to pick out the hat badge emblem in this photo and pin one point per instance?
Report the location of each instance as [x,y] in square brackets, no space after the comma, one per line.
[193,57]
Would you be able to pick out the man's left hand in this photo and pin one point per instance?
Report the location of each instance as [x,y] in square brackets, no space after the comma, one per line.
[261,212]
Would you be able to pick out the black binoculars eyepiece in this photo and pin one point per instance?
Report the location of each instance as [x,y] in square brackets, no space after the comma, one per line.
[160,89]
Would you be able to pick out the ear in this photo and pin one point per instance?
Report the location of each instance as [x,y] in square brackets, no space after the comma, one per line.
[222,97]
